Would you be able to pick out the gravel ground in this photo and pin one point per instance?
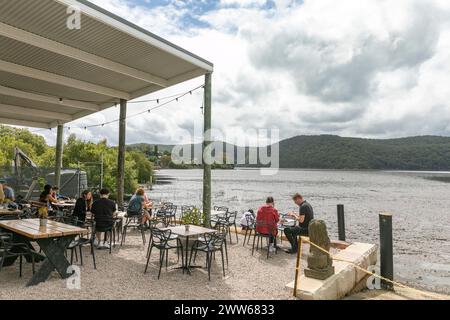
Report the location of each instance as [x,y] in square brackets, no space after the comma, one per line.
[121,276]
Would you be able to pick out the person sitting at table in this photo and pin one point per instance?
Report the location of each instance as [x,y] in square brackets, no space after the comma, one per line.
[148,202]
[8,192]
[2,194]
[306,214]
[247,219]
[83,205]
[57,195]
[47,197]
[138,207]
[267,222]
[103,211]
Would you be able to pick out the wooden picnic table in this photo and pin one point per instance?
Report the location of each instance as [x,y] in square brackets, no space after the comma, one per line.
[8,212]
[194,231]
[52,239]
[64,205]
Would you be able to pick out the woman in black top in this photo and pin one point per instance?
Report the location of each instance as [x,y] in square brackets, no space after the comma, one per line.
[83,205]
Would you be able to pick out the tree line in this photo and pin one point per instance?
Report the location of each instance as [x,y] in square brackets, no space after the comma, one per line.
[138,168]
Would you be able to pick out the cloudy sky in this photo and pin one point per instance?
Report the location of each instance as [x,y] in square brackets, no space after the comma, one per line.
[365,68]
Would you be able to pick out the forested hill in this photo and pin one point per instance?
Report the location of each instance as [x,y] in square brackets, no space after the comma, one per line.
[333,152]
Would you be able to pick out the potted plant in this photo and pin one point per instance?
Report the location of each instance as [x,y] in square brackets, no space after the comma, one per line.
[43,216]
[193,217]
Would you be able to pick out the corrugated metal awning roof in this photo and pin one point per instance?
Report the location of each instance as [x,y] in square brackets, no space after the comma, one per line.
[50,74]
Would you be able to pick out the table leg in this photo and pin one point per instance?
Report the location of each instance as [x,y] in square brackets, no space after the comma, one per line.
[55,259]
[186,264]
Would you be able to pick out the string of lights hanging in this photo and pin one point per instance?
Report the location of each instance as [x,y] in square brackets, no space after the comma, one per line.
[172,98]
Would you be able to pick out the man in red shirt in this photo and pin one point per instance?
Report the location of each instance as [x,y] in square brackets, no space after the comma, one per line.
[267,221]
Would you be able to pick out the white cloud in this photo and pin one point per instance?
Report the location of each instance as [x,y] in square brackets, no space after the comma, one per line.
[372,68]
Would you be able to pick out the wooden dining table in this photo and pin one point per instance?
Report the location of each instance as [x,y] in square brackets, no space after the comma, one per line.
[52,239]
[7,212]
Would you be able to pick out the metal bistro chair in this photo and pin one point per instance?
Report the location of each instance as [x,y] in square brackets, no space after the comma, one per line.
[132,221]
[210,245]
[266,236]
[168,214]
[10,249]
[226,222]
[222,210]
[161,240]
[251,226]
[82,241]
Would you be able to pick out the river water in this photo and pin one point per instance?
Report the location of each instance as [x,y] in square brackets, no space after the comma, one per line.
[419,204]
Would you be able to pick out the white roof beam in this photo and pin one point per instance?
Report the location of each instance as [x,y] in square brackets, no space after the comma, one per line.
[24,123]
[48,99]
[61,80]
[17,110]
[80,55]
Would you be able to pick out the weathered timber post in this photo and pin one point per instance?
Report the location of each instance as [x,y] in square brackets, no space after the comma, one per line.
[121,152]
[206,154]
[59,154]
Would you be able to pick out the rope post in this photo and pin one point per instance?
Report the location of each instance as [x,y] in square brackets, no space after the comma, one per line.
[341,222]
[386,251]
[298,265]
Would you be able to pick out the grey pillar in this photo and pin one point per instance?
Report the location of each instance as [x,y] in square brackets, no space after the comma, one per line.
[121,152]
[59,154]
[386,251]
[207,155]
[341,222]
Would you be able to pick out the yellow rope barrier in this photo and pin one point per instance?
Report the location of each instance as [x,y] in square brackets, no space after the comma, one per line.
[395,283]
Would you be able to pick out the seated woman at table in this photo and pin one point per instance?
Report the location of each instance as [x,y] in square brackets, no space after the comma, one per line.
[103,211]
[267,221]
[83,205]
[46,197]
[138,207]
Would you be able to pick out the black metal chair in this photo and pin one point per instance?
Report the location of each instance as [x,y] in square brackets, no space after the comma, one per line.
[10,250]
[251,226]
[266,236]
[132,221]
[224,212]
[161,240]
[226,222]
[210,245]
[83,241]
[168,214]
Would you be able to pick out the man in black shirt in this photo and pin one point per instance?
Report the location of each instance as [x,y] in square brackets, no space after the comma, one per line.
[103,210]
[306,214]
